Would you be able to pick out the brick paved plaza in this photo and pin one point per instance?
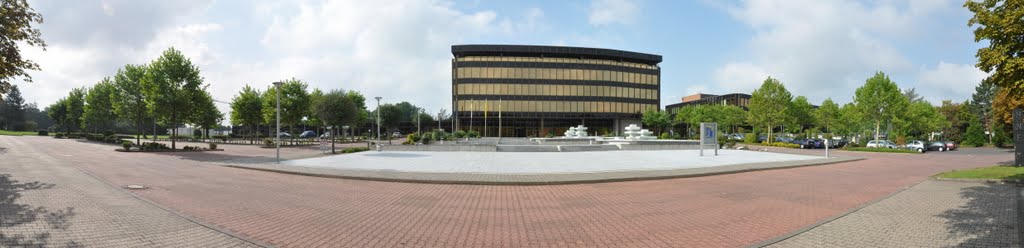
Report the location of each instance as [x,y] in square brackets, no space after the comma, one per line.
[732,210]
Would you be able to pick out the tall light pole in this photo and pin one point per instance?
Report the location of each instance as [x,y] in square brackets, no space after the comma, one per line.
[277,132]
[418,112]
[378,118]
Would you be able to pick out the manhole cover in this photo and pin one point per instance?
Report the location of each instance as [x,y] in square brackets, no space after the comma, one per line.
[135,186]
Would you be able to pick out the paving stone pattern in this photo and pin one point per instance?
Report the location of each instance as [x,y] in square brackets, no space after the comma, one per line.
[46,202]
[931,214]
[285,210]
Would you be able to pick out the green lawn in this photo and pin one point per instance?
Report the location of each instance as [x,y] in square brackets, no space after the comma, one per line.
[17,133]
[875,149]
[994,172]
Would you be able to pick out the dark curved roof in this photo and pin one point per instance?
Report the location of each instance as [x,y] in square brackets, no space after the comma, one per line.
[554,51]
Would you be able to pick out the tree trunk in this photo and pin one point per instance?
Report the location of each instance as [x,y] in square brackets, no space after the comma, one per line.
[878,123]
[332,139]
[769,137]
[174,131]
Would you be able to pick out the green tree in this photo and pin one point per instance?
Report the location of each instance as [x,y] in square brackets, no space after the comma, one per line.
[16,19]
[769,105]
[58,112]
[12,110]
[314,119]
[849,121]
[657,119]
[999,22]
[335,109]
[975,135]
[128,100]
[294,103]
[826,115]
[76,108]
[99,112]
[801,114]
[730,116]
[919,119]
[360,102]
[171,84]
[206,115]
[247,110]
[982,101]
[390,117]
[879,100]
[912,96]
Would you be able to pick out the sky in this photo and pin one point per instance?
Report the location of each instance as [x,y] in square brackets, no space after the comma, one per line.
[401,50]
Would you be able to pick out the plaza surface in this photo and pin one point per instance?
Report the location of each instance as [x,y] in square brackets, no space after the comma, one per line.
[930,214]
[542,162]
[731,210]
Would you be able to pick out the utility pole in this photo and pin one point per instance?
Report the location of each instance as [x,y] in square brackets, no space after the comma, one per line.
[378,118]
[277,133]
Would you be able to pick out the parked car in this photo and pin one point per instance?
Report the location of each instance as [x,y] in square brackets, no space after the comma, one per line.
[284,135]
[916,145]
[736,136]
[307,134]
[936,146]
[950,145]
[326,135]
[808,143]
[881,144]
[783,139]
[396,135]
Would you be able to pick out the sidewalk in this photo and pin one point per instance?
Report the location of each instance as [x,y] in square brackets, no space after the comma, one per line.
[930,214]
[46,202]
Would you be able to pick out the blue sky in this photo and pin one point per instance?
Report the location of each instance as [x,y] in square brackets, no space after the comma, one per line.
[400,50]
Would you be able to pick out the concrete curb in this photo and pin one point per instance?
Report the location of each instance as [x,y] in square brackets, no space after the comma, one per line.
[830,219]
[180,214]
[979,180]
[533,179]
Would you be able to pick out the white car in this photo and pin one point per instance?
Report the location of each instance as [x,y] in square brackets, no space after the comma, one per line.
[881,144]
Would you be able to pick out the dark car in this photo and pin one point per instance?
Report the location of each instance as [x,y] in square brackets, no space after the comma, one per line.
[816,143]
[804,143]
[936,146]
[307,134]
[950,145]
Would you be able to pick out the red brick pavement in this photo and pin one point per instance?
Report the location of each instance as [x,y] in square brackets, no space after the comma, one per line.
[715,211]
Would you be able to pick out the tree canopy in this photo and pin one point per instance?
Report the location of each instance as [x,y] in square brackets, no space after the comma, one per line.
[999,22]
[16,19]
[99,112]
[171,84]
[769,105]
[12,109]
[295,103]
[879,99]
[128,99]
[827,114]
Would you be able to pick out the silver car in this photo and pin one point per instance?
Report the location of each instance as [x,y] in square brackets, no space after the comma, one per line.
[916,145]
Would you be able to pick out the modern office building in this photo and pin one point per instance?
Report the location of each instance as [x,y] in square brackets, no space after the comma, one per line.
[541,90]
[735,99]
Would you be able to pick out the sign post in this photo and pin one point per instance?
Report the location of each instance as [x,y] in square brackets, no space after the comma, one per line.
[708,136]
[1018,136]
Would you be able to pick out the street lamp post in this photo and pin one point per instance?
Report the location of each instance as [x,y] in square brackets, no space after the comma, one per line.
[378,118]
[277,134]
[418,129]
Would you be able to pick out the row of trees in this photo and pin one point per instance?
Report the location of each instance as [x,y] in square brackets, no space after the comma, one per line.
[169,91]
[878,108]
[17,115]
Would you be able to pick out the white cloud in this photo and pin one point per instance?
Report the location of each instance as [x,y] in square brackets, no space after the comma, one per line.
[826,48]
[948,80]
[605,12]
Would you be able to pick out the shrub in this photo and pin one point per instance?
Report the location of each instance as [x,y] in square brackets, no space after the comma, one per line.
[59,135]
[108,133]
[197,133]
[901,140]
[268,142]
[473,134]
[459,134]
[223,138]
[750,138]
[213,146]
[153,146]
[354,149]
[43,132]
[112,139]
[412,138]
[781,144]
[664,135]
[126,144]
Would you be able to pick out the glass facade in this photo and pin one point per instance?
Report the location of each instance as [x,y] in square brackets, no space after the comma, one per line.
[538,92]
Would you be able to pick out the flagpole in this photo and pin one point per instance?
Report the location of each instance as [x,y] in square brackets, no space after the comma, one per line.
[499,118]
[485,117]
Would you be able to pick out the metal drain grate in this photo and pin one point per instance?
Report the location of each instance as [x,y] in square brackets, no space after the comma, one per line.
[135,187]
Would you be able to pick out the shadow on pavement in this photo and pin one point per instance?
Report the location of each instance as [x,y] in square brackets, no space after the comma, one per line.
[13,215]
[986,220]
